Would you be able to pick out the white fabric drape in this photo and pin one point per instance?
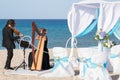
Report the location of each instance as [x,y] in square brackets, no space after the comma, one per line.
[108,16]
[79,18]
[83,13]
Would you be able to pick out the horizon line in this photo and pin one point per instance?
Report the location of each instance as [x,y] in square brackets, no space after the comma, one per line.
[33,19]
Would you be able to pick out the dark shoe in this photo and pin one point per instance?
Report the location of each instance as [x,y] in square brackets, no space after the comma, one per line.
[9,68]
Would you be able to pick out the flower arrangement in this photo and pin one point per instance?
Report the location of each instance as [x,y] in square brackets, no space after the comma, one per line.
[109,43]
[104,37]
[101,35]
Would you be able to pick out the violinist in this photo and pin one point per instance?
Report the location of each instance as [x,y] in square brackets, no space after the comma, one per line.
[8,41]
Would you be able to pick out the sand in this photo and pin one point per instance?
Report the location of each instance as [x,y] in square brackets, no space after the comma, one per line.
[17,60]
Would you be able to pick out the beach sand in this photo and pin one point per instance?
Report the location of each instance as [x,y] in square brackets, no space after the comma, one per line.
[17,60]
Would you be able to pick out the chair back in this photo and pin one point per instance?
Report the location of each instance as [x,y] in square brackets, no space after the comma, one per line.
[59,52]
[115,49]
[84,52]
[99,58]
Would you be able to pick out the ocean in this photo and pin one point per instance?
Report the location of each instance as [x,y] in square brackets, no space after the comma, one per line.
[58,32]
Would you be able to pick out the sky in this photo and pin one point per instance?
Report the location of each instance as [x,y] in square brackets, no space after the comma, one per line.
[35,9]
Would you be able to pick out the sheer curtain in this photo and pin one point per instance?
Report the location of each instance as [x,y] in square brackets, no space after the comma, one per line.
[79,19]
[109,15]
[117,30]
[82,16]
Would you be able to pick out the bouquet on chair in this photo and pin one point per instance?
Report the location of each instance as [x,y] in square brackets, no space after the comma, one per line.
[101,35]
[109,44]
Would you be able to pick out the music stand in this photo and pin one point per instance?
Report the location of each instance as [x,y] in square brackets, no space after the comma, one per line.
[25,45]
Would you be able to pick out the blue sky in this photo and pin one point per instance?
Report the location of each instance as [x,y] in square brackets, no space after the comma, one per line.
[35,9]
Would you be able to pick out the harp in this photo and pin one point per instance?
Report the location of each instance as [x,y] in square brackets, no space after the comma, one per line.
[37,56]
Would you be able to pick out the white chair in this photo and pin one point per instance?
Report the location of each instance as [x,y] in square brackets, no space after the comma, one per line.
[61,68]
[96,69]
[92,64]
[114,59]
[84,54]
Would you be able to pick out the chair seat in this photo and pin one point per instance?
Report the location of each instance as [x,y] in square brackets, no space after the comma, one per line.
[114,58]
[92,65]
[61,67]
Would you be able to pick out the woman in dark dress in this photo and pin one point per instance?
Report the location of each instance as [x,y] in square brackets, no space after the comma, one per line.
[45,59]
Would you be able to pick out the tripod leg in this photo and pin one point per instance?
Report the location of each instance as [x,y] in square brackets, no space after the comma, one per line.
[23,64]
[19,66]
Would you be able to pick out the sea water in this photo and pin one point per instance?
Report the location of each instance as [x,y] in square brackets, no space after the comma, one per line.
[58,32]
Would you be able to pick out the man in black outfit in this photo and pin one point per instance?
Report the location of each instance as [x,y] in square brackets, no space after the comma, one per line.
[8,42]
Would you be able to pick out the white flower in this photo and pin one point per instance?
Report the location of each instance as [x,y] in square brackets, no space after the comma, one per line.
[108,44]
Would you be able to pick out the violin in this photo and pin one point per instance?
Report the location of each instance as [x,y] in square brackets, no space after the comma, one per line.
[15,31]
